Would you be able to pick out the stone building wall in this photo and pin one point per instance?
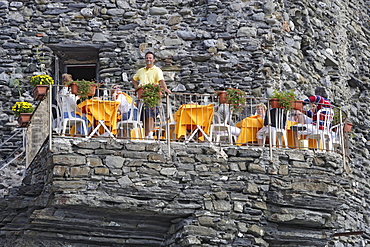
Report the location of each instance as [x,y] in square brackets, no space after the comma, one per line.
[202,46]
[118,193]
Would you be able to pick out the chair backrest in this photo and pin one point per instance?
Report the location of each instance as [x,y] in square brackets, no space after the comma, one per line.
[324,118]
[225,113]
[336,133]
[170,112]
[132,110]
[57,119]
[67,104]
[216,118]
[278,118]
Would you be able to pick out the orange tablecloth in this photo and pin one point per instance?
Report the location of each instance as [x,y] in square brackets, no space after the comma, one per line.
[101,110]
[189,116]
[249,127]
[290,134]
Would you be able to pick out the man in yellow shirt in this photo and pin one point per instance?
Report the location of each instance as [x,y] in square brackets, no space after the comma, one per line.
[153,75]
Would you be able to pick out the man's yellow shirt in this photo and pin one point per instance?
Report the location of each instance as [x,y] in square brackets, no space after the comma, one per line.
[152,75]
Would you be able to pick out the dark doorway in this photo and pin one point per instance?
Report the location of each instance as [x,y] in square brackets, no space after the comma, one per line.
[81,61]
[82,71]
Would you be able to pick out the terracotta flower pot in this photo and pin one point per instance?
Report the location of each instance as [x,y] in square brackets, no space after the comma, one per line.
[74,88]
[92,90]
[40,91]
[347,127]
[297,105]
[274,103]
[24,119]
[222,97]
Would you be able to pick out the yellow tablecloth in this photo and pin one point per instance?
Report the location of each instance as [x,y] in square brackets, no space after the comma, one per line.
[101,110]
[189,116]
[249,127]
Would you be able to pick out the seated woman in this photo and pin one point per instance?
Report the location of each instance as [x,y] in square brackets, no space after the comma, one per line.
[261,111]
[124,108]
[317,102]
[68,105]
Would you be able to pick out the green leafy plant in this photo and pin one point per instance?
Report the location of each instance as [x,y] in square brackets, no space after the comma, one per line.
[152,94]
[84,87]
[285,98]
[22,107]
[17,83]
[236,98]
[41,80]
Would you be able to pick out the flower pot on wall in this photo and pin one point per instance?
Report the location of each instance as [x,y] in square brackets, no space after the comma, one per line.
[222,97]
[40,91]
[24,119]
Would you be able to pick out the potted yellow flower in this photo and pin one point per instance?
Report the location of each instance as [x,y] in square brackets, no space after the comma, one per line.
[41,84]
[23,110]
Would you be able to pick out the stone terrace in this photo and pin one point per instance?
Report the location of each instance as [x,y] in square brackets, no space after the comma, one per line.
[121,193]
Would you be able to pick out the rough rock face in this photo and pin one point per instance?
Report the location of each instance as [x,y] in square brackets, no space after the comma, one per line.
[118,193]
[202,46]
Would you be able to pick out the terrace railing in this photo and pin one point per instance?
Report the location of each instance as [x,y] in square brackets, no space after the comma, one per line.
[180,117]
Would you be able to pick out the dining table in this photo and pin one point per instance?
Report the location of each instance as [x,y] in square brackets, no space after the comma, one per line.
[249,127]
[293,141]
[102,114]
[193,118]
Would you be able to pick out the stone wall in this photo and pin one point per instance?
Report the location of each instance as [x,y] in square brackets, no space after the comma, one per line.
[118,193]
[202,46]
[254,45]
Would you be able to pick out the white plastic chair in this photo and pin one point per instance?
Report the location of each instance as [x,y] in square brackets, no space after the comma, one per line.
[336,135]
[57,120]
[222,130]
[279,130]
[66,119]
[131,123]
[321,132]
[164,121]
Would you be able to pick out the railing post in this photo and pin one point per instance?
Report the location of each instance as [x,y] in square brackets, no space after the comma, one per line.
[269,127]
[50,95]
[342,137]
[168,117]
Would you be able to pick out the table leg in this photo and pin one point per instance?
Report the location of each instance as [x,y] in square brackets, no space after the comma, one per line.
[101,123]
